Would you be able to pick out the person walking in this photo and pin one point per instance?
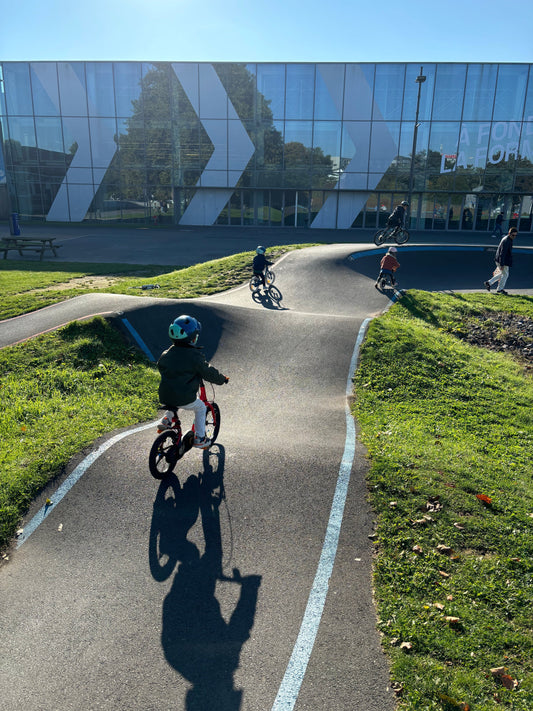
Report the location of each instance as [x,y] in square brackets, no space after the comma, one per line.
[504,260]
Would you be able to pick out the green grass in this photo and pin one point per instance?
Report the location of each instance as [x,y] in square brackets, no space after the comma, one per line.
[444,421]
[27,286]
[60,392]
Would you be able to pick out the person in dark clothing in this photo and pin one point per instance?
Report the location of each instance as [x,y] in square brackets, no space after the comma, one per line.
[397,217]
[181,367]
[497,231]
[260,264]
[504,260]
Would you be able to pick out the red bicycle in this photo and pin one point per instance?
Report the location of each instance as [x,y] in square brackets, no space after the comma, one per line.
[172,444]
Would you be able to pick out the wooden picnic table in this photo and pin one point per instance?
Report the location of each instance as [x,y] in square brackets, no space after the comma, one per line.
[21,244]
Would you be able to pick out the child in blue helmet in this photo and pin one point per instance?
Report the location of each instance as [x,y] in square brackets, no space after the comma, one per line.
[181,367]
[260,264]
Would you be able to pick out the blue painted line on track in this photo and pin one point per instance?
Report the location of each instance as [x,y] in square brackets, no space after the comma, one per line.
[433,248]
[69,482]
[142,344]
[295,672]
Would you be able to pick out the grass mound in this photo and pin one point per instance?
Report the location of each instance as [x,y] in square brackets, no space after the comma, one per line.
[449,428]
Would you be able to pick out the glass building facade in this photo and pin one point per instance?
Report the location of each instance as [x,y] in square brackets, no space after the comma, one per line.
[320,145]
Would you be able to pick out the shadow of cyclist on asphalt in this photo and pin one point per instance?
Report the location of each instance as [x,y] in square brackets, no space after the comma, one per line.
[175,512]
[269,299]
[196,639]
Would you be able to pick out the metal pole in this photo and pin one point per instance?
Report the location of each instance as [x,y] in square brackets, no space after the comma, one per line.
[419,80]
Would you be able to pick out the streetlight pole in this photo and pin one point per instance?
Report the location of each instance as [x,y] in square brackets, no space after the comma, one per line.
[419,80]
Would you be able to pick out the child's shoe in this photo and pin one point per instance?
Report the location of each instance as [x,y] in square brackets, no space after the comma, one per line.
[166,423]
[201,442]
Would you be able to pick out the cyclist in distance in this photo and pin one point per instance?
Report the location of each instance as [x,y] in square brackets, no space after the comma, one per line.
[260,264]
[398,217]
[181,367]
[388,265]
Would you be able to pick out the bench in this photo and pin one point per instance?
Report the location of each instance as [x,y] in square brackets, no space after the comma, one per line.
[23,244]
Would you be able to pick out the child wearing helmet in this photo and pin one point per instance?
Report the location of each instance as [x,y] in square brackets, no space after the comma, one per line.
[260,264]
[388,265]
[181,367]
[397,217]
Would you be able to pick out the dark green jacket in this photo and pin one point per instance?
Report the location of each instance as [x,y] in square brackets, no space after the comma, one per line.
[181,369]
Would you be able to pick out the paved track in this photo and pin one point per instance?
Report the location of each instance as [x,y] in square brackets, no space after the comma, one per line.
[131,605]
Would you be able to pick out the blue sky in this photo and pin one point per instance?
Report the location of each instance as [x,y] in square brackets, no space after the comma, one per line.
[277,30]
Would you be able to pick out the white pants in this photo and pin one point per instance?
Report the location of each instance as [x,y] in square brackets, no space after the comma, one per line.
[500,278]
[199,409]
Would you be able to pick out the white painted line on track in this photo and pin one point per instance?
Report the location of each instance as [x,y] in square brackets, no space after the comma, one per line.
[295,672]
[69,482]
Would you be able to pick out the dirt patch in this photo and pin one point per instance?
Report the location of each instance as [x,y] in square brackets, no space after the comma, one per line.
[502,332]
[86,282]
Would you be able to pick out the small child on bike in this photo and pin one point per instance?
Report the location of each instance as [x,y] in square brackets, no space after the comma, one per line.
[260,264]
[181,367]
[388,265]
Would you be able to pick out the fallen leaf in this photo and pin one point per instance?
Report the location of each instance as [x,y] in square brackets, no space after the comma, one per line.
[438,605]
[397,688]
[444,574]
[418,549]
[452,620]
[458,525]
[406,645]
[445,550]
[420,522]
[484,498]
[508,681]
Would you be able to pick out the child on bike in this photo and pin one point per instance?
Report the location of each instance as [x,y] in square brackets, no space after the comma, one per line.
[397,217]
[388,265]
[181,367]
[260,264]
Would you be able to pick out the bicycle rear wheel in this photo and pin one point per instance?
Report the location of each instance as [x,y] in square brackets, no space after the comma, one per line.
[402,236]
[212,421]
[380,237]
[255,283]
[164,454]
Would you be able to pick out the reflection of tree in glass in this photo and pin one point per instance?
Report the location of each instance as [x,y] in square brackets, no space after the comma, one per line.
[164,142]
[165,145]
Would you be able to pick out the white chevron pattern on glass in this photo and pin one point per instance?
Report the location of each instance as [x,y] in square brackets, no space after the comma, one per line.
[232,145]
[341,208]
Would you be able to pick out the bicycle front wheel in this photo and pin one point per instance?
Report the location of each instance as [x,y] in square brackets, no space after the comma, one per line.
[212,421]
[164,454]
[269,277]
[380,237]
[402,236]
